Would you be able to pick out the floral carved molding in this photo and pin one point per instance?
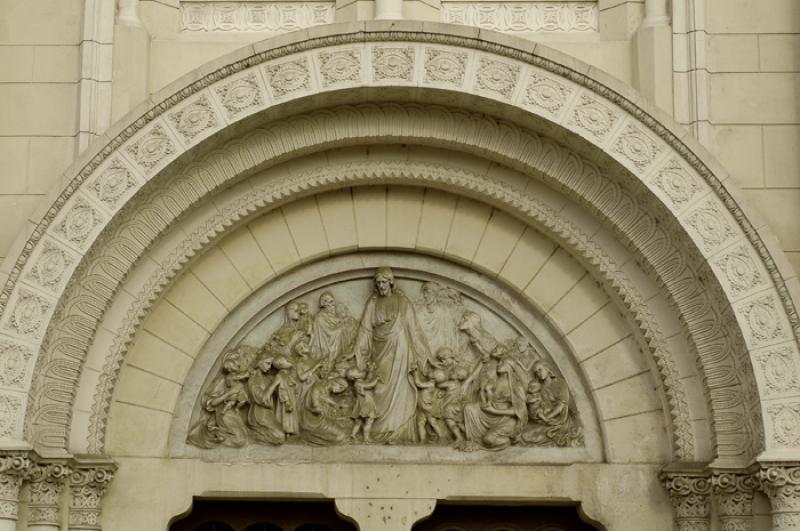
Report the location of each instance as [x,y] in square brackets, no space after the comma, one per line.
[704,214]
[213,16]
[524,17]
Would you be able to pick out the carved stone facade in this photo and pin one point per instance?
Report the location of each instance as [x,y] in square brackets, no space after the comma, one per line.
[629,313]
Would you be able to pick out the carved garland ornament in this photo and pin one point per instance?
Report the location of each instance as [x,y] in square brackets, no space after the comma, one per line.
[144,152]
[255,200]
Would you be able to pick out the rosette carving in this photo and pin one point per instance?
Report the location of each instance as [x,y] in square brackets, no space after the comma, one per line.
[46,483]
[88,486]
[690,496]
[13,468]
[734,493]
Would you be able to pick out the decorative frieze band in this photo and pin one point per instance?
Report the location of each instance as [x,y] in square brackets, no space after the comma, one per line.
[254,16]
[524,17]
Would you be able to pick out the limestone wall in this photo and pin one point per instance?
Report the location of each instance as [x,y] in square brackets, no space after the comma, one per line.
[39,74]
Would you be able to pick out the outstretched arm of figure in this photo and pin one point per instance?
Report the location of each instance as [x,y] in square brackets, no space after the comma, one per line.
[420,382]
[304,375]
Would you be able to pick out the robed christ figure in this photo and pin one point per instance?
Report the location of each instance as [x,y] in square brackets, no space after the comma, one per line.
[390,345]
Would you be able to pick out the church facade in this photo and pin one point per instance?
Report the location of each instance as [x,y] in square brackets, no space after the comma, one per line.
[400,264]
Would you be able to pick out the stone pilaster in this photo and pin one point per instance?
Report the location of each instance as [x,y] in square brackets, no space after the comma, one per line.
[47,482]
[14,466]
[734,493]
[88,484]
[782,485]
[690,493]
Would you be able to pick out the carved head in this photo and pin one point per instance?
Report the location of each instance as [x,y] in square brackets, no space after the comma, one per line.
[429,292]
[354,373]
[439,376]
[384,281]
[469,321]
[282,363]
[543,371]
[337,385]
[445,355]
[302,309]
[327,301]
[292,312]
[265,365]
[460,374]
[301,348]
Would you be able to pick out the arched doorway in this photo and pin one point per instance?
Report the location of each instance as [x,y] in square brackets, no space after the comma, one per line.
[601,236]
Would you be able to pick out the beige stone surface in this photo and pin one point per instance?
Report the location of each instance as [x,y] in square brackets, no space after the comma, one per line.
[733,53]
[739,147]
[754,98]
[781,156]
[752,16]
[779,53]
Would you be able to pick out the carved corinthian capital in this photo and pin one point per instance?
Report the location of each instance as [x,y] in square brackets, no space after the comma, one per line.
[782,485]
[88,484]
[690,496]
[14,465]
[734,493]
[46,484]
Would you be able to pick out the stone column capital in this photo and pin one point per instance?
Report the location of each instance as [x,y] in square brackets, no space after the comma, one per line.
[734,491]
[689,491]
[781,482]
[14,466]
[88,483]
[46,480]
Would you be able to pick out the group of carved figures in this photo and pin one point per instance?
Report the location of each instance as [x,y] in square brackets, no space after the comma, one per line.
[406,373]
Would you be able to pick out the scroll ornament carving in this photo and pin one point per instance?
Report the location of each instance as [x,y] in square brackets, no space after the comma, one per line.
[214,16]
[46,483]
[637,147]
[779,370]
[497,76]
[13,468]
[734,494]
[393,63]
[240,94]
[340,66]
[195,118]
[594,117]
[289,77]
[676,183]
[785,419]
[443,66]
[782,485]
[50,266]
[152,148]
[523,16]
[113,184]
[88,486]
[407,372]
[690,497]
[546,93]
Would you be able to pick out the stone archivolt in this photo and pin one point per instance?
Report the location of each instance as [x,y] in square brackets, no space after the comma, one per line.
[429,371]
[153,149]
[252,202]
[653,191]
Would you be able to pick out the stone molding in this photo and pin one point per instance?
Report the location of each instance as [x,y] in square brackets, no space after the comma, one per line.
[640,143]
[238,209]
[214,16]
[522,17]
[713,336]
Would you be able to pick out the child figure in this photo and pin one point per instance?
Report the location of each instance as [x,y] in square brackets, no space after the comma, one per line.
[364,410]
[427,403]
[455,392]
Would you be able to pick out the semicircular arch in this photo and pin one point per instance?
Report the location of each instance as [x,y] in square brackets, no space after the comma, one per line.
[696,232]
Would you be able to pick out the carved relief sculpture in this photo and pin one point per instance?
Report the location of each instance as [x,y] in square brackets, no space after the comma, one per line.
[427,371]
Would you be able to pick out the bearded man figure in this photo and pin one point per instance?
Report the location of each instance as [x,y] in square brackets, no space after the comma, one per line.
[390,344]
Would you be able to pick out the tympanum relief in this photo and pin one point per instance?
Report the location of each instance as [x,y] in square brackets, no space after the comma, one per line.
[421,364]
